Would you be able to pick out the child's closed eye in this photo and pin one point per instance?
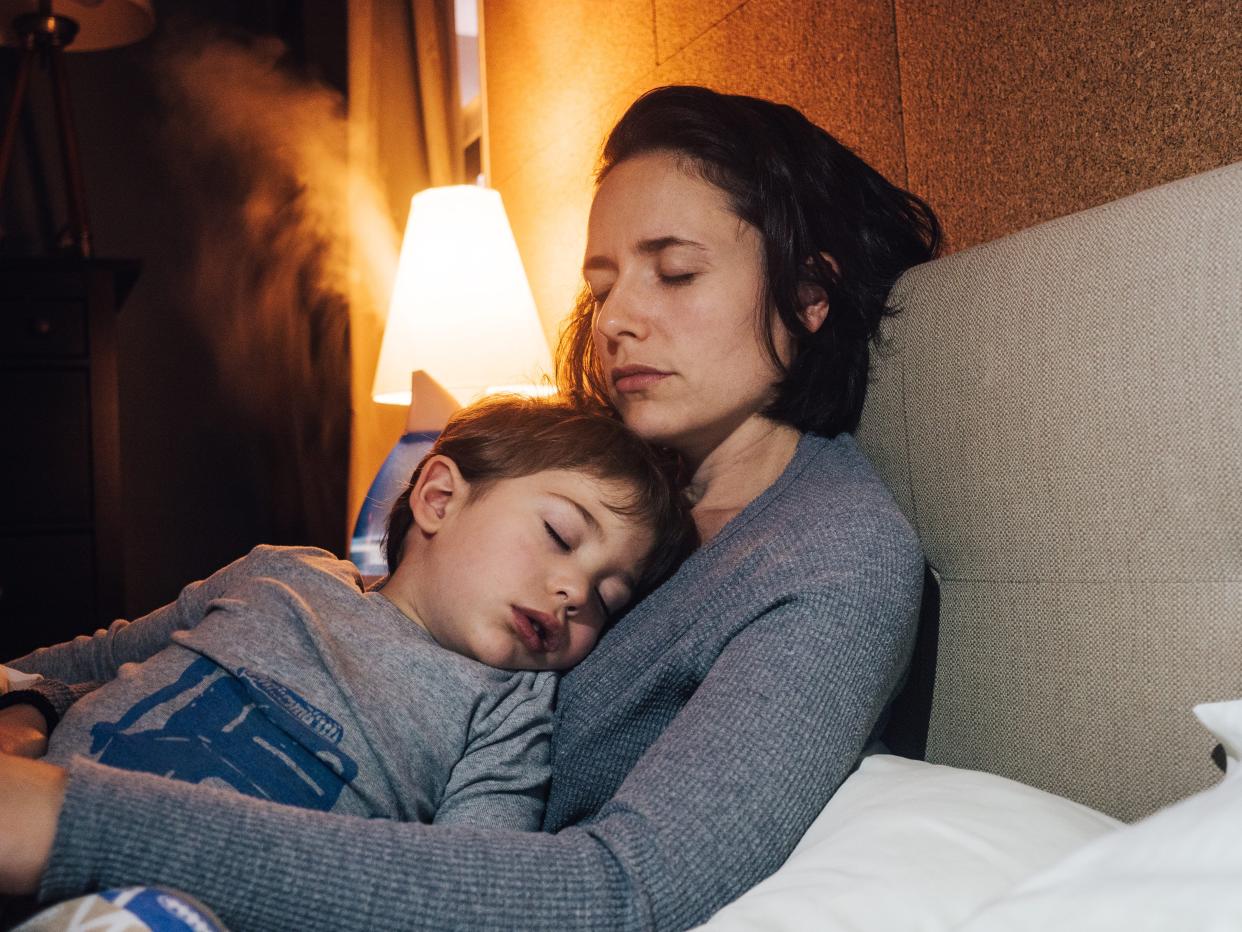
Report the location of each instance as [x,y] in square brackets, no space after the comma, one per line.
[556,538]
[605,611]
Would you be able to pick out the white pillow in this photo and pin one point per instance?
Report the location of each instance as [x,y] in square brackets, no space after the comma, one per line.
[910,846]
[1224,721]
[1179,869]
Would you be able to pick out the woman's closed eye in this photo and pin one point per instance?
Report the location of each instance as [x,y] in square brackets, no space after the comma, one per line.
[598,287]
[680,278]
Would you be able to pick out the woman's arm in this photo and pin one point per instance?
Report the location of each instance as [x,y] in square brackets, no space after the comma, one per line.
[713,806]
[23,731]
[31,794]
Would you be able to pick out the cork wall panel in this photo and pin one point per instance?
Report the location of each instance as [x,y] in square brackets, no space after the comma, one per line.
[1018,112]
[550,65]
[678,23]
[836,62]
[548,200]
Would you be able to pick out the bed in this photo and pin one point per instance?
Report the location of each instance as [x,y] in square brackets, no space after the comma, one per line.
[1059,414]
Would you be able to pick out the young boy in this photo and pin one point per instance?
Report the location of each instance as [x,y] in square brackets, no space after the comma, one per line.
[528,526]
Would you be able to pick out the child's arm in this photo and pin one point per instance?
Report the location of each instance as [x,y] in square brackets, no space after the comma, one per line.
[502,778]
[97,657]
[71,669]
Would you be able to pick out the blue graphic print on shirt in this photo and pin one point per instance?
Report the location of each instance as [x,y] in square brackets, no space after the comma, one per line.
[254,733]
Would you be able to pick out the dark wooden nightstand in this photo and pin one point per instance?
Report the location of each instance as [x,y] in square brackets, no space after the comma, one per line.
[61,570]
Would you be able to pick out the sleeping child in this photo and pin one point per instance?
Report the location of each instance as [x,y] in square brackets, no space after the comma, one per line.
[523,532]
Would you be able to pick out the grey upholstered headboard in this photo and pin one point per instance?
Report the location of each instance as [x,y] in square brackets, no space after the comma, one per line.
[1060,416]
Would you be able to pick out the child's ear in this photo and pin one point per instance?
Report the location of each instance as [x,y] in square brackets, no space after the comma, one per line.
[438,493]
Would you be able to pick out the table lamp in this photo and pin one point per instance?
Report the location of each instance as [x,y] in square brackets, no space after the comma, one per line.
[461,324]
[43,29]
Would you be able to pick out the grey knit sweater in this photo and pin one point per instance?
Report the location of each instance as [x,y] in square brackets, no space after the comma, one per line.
[691,751]
[280,677]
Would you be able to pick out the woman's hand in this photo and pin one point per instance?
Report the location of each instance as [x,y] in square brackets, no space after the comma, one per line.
[31,795]
[23,731]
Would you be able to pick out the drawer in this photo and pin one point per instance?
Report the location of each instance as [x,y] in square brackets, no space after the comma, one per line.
[47,590]
[45,471]
[42,328]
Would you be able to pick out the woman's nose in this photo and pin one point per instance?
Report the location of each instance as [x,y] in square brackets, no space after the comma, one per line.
[620,315]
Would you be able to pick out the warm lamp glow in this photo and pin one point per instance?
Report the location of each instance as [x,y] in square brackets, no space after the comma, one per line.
[461,308]
[102,24]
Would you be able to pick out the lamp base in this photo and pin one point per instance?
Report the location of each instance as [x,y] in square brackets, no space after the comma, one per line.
[366,546]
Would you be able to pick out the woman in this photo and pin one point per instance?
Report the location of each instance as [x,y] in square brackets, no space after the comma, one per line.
[738,263]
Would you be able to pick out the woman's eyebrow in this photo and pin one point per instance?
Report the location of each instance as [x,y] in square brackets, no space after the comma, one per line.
[648,247]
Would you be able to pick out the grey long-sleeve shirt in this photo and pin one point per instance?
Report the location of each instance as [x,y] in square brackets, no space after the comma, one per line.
[278,677]
[691,750]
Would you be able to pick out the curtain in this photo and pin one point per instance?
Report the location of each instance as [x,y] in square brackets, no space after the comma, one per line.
[405,135]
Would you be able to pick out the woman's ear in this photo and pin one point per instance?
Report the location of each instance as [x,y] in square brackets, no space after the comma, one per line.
[439,492]
[813,299]
[813,305]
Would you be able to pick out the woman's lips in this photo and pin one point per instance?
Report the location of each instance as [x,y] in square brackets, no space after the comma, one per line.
[636,378]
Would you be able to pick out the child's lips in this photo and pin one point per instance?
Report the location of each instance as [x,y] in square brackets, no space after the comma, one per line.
[538,631]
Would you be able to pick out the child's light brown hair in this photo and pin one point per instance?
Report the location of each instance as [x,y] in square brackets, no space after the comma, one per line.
[509,436]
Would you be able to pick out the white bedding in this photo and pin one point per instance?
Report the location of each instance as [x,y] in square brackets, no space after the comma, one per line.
[907,846]
[1179,870]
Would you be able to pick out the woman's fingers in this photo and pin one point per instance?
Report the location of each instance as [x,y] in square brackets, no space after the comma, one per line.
[23,731]
[31,795]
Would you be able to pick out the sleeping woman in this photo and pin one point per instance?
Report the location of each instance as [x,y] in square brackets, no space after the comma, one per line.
[738,264]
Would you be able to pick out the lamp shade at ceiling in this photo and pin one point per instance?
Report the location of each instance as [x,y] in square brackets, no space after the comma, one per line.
[461,308]
[102,24]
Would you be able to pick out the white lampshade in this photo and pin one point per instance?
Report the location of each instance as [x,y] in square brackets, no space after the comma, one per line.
[102,24]
[461,307]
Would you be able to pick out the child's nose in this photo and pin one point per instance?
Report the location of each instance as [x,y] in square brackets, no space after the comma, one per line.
[571,593]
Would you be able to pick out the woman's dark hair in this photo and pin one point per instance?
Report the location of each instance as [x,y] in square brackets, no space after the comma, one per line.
[810,198]
[508,436]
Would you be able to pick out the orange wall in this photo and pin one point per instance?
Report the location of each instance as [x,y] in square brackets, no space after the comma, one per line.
[1002,113]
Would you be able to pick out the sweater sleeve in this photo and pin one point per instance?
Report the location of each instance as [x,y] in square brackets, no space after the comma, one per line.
[502,778]
[51,697]
[715,804]
[724,795]
[73,668]
[97,657]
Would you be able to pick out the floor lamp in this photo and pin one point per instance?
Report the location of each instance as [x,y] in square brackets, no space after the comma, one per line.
[41,32]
